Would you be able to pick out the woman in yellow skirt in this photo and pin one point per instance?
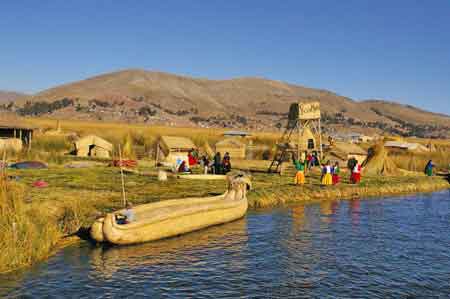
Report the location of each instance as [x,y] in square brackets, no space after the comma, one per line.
[300,174]
[327,178]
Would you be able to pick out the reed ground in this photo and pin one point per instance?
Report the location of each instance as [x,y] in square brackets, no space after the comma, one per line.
[33,220]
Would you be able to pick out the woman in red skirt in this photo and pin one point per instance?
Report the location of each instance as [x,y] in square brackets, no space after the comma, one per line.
[336,171]
[355,178]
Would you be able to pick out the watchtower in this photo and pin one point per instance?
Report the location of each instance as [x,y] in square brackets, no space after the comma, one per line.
[303,121]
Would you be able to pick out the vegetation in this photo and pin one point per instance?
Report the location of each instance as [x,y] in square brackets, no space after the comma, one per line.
[33,221]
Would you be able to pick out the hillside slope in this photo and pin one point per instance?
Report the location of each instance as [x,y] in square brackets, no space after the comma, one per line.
[162,98]
[10,96]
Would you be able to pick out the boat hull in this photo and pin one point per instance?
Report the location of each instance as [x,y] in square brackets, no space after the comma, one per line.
[172,218]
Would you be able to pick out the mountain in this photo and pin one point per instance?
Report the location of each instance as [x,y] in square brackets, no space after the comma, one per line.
[10,96]
[254,103]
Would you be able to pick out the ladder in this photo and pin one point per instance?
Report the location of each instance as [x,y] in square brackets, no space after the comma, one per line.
[282,149]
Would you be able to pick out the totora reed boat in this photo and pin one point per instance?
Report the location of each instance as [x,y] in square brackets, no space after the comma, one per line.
[170,218]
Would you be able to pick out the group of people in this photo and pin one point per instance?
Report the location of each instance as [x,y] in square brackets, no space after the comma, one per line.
[217,165]
[330,174]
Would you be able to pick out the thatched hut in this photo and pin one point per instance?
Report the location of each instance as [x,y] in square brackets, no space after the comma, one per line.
[93,146]
[10,144]
[341,152]
[14,133]
[171,148]
[234,147]
[379,163]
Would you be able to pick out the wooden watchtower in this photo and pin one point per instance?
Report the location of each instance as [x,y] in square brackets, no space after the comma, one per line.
[303,118]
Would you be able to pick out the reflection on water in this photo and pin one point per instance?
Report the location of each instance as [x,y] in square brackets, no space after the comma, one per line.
[107,260]
[387,248]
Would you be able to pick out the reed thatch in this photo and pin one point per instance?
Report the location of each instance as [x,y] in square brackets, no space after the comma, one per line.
[379,163]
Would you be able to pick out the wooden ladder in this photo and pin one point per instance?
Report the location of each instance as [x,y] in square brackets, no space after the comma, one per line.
[281,150]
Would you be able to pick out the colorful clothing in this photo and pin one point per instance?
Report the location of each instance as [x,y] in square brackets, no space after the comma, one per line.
[429,169]
[300,175]
[355,177]
[327,178]
[299,178]
[336,178]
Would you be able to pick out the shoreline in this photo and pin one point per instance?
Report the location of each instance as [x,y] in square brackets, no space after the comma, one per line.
[279,197]
[265,198]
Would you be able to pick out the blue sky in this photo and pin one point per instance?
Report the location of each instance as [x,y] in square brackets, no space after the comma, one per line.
[396,50]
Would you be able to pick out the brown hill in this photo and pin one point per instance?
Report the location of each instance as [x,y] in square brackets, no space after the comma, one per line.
[156,97]
[10,96]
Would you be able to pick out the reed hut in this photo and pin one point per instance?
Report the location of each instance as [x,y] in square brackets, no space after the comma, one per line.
[14,134]
[234,147]
[93,146]
[341,152]
[171,149]
[379,163]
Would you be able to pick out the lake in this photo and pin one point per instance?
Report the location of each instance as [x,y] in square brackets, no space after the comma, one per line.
[395,247]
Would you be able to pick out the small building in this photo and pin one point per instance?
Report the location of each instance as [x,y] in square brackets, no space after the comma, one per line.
[236,134]
[16,130]
[406,146]
[93,146]
[307,140]
[171,149]
[341,152]
[234,147]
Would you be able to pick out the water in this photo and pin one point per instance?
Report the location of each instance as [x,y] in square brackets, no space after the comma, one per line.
[383,248]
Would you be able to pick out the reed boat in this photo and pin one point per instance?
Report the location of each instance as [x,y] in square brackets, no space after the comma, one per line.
[171,218]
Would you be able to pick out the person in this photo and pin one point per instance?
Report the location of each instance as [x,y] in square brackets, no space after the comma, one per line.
[226,163]
[316,159]
[205,164]
[300,174]
[429,168]
[127,216]
[217,163]
[312,162]
[336,171]
[351,163]
[183,167]
[355,176]
[191,158]
[327,178]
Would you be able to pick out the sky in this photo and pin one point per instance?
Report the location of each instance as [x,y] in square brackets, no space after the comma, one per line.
[394,50]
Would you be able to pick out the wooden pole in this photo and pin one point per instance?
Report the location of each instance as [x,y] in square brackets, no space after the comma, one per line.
[298,139]
[4,164]
[320,140]
[124,198]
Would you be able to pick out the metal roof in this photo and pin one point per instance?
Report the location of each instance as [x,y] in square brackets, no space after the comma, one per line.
[236,133]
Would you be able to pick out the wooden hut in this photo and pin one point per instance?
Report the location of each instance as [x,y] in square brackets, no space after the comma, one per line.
[171,149]
[93,146]
[234,147]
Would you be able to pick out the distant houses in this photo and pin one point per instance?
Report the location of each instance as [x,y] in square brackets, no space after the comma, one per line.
[353,137]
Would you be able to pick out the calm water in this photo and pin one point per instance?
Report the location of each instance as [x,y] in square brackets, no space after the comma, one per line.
[386,248]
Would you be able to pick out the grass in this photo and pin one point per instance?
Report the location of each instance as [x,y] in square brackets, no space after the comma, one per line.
[417,161]
[75,197]
[33,220]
